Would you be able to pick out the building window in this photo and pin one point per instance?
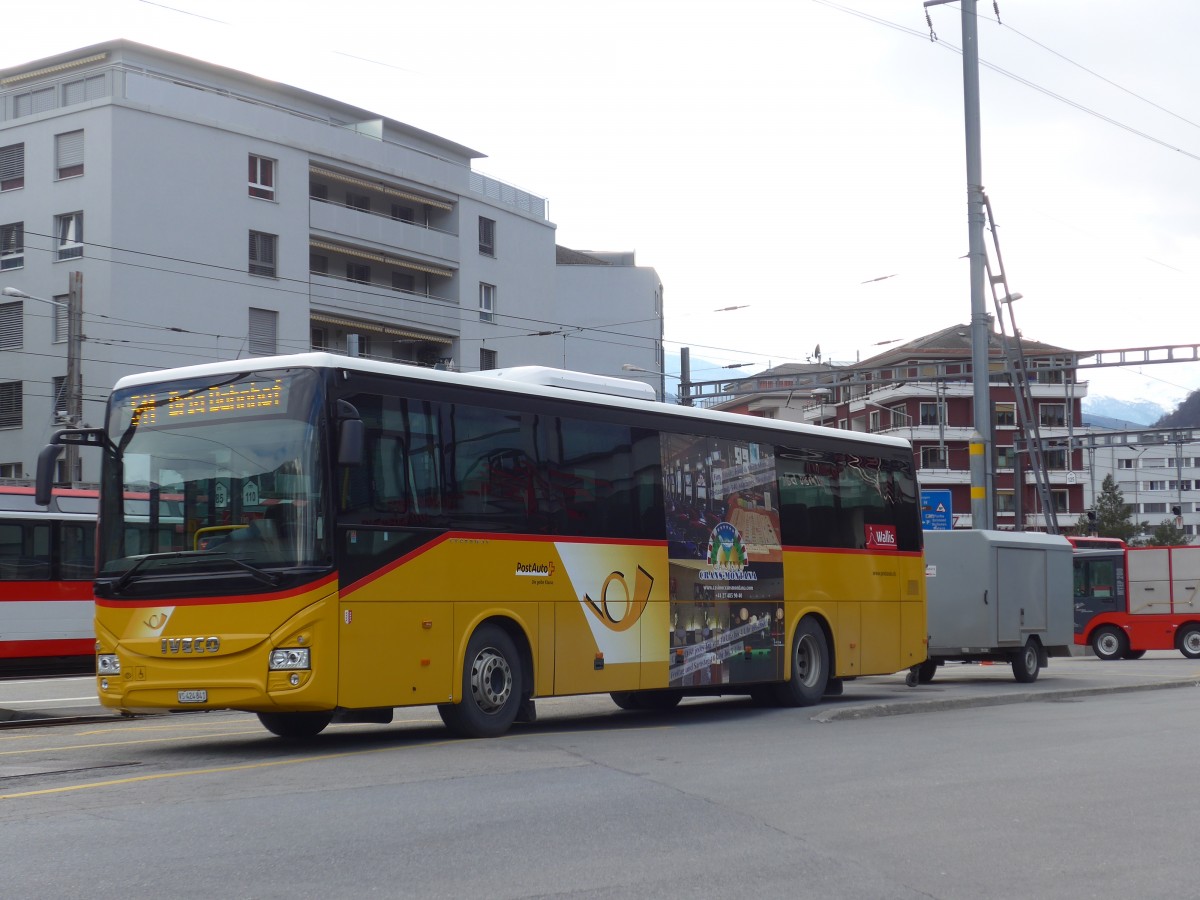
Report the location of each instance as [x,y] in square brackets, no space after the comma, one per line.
[1154,486]
[264,327]
[403,213]
[12,167]
[487,359]
[1056,460]
[33,102]
[262,253]
[318,264]
[933,413]
[359,273]
[318,191]
[1006,415]
[10,404]
[12,246]
[11,328]
[933,458]
[403,281]
[1126,463]
[1053,415]
[1005,502]
[876,421]
[68,230]
[262,177]
[1061,501]
[62,317]
[59,412]
[487,236]
[358,201]
[319,339]
[11,470]
[487,302]
[84,89]
[68,154]
[1006,458]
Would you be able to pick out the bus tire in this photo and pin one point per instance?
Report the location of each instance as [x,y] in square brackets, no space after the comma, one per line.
[1188,641]
[1026,664]
[810,666]
[926,671]
[660,700]
[297,725]
[491,686]
[1134,654]
[1109,642]
[626,699]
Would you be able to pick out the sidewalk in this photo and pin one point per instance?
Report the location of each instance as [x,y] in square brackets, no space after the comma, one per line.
[963,685]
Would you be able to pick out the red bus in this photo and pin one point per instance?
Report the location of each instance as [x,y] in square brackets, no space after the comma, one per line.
[47,563]
[1132,599]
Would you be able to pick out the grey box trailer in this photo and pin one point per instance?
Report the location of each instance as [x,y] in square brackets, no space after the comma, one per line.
[1000,596]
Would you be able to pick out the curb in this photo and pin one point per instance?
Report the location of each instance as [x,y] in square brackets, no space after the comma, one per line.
[906,707]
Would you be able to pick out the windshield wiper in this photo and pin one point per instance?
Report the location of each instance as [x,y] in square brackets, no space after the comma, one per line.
[129,574]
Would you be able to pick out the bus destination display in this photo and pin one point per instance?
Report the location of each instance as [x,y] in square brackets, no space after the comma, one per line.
[243,399]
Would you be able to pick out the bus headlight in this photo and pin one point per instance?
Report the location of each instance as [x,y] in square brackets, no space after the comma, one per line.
[108,664]
[289,658]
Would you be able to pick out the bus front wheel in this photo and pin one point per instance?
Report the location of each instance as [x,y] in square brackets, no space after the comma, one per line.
[1109,643]
[491,686]
[1189,641]
[810,666]
[297,725]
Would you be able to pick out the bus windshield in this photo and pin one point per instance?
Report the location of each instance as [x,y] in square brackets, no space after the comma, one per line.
[212,477]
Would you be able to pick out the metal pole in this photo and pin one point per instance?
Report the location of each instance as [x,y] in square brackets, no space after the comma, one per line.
[981,501]
[74,386]
[685,376]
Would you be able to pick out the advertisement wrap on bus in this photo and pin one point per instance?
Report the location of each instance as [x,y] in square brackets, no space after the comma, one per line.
[353,536]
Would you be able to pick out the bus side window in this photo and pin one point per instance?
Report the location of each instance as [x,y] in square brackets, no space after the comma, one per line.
[77,551]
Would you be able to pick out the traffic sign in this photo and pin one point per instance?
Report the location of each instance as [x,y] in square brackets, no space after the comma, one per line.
[936,513]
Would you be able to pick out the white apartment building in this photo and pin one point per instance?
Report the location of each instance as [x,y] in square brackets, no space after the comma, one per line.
[1156,470]
[214,215]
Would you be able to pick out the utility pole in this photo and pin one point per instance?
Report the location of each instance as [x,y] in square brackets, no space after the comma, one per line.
[74,384]
[981,440]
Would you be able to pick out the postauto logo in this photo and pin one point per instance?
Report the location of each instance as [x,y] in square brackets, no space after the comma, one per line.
[535,570]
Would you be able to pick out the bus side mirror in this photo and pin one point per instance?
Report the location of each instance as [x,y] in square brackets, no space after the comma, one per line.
[45,474]
[350,442]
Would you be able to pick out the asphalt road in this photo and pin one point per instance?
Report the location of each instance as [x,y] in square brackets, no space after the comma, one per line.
[968,787]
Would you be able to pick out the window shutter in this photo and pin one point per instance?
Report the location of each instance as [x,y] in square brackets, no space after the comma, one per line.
[10,404]
[263,328]
[11,335]
[69,150]
[12,162]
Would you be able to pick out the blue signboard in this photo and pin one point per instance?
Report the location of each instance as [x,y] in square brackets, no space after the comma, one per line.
[935,511]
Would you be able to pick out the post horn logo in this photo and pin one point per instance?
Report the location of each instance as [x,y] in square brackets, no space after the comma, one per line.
[622,612]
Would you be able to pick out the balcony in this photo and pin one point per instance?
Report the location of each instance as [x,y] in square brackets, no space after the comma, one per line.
[424,243]
[382,305]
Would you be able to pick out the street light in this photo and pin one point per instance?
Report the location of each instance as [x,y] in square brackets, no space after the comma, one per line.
[74,382]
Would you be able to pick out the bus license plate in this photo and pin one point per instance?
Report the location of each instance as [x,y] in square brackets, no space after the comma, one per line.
[193,696]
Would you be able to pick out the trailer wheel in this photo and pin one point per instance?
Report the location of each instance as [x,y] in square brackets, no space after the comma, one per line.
[1109,642]
[295,726]
[491,686]
[1027,664]
[1188,641]
[926,671]
[810,666]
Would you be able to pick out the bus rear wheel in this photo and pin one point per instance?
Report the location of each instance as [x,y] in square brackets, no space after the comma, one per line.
[810,666]
[491,686]
[297,725]
[1109,643]
[1188,641]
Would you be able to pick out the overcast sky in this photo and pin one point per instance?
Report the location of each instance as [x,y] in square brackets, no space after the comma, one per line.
[780,155]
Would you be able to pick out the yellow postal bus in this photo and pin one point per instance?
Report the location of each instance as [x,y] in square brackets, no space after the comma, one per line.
[357,536]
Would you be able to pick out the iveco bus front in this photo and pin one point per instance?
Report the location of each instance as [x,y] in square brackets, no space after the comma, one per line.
[214,558]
